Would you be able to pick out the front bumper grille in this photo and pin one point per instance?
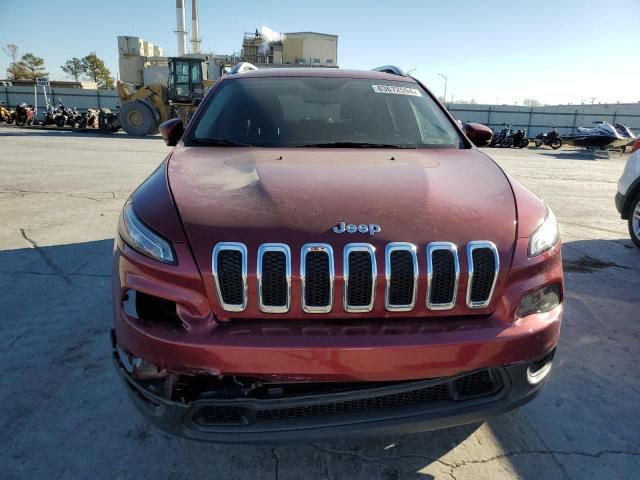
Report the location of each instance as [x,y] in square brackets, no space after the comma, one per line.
[474,385]
[317,273]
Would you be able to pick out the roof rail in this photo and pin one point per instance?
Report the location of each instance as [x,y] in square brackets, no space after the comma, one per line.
[392,69]
[242,67]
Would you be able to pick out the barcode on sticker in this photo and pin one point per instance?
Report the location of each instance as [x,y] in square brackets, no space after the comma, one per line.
[396,90]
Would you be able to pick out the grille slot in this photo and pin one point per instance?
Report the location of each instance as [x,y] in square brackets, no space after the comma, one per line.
[274,277]
[401,267]
[484,265]
[230,275]
[359,277]
[443,272]
[317,274]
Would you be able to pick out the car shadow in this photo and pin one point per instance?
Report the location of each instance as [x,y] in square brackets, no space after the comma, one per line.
[579,155]
[58,380]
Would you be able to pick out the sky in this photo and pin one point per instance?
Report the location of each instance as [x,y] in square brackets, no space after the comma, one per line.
[490,51]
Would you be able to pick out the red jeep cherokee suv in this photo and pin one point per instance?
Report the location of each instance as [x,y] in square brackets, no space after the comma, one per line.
[325,252]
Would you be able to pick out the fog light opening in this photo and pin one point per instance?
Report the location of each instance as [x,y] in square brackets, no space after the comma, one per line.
[542,300]
[151,310]
[540,369]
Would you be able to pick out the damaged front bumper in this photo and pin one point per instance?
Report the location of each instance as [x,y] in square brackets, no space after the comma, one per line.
[329,409]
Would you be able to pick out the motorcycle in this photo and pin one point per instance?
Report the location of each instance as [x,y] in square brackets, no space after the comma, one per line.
[520,139]
[551,139]
[503,137]
[88,119]
[25,114]
[52,114]
[7,115]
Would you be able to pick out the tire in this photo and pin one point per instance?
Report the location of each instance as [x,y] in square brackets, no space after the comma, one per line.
[507,142]
[524,143]
[137,119]
[538,143]
[61,121]
[556,144]
[634,221]
[20,120]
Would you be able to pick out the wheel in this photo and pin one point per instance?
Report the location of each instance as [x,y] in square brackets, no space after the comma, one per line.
[30,121]
[634,221]
[137,119]
[538,143]
[556,144]
[524,143]
[9,120]
[61,121]
[20,120]
[507,142]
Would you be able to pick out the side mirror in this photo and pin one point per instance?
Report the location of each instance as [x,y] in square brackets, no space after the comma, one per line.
[480,135]
[172,131]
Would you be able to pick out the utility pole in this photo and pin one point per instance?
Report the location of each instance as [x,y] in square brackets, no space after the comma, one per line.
[445,87]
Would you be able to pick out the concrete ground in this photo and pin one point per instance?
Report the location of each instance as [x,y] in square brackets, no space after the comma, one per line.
[64,413]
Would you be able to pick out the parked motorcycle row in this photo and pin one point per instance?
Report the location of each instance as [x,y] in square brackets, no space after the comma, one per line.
[63,116]
[57,114]
[507,137]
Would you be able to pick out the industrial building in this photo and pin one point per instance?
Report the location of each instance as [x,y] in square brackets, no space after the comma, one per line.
[311,49]
[141,62]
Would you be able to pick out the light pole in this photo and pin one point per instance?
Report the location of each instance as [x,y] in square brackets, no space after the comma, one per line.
[445,87]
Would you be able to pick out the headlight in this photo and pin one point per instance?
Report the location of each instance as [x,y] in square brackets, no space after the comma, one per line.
[540,301]
[546,236]
[141,238]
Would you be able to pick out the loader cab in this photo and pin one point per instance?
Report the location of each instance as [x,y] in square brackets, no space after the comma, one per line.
[187,76]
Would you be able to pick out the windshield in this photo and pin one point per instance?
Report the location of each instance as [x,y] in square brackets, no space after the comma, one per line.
[324,112]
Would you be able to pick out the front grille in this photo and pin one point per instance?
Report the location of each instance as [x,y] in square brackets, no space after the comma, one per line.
[360,274]
[401,274]
[443,271]
[473,385]
[274,277]
[229,268]
[317,277]
[483,272]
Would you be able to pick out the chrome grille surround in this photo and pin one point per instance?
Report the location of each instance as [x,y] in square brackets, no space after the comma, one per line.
[348,250]
[306,249]
[471,248]
[232,246]
[388,250]
[274,247]
[431,248]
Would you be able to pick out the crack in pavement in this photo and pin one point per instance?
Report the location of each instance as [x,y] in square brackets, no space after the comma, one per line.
[47,274]
[52,265]
[454,465]
[275,456]
[22,192]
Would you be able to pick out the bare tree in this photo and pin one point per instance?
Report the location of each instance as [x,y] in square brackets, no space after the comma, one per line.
[531,102]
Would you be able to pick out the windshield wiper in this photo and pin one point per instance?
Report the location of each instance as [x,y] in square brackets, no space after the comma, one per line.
[352,145]
[218,142]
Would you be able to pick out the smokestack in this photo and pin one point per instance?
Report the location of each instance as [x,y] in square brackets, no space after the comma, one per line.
[181,29]
[195,27]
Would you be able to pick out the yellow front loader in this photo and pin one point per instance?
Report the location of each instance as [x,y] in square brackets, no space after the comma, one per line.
[145,108]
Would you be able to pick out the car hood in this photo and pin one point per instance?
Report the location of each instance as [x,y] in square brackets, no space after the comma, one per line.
[296,196]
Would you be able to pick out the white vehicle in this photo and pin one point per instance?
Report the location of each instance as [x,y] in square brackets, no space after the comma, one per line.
[628,195]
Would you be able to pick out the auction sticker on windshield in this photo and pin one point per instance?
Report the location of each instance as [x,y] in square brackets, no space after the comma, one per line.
[396,90]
